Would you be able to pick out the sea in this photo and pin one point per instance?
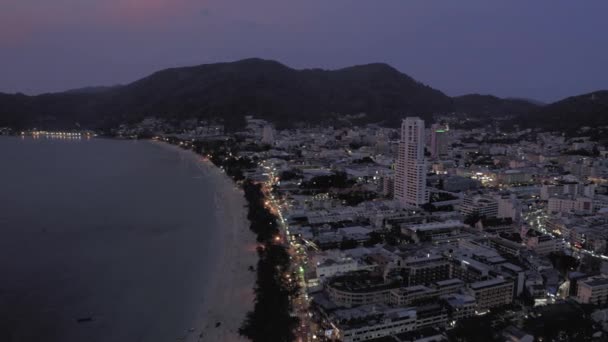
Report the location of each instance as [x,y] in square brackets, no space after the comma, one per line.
[102,240]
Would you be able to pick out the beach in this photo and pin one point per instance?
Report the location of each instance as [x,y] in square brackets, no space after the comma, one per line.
[229,293]
[107,240]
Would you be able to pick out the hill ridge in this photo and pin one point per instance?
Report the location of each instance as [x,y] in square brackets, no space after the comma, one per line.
[265,88]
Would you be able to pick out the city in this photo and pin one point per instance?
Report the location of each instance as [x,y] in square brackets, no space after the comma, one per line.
[304,171]
[430,231]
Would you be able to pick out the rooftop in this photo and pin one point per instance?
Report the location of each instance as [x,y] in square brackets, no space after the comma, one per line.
[449,282]
[595,281]
[449,224]
[361,281]
[487,283]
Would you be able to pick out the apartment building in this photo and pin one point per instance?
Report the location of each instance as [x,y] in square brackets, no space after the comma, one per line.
[492,293]
[592,290]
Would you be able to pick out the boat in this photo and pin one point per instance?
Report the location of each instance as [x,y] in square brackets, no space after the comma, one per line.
[84,319]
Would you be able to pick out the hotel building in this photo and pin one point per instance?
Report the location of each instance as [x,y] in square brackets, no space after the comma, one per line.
[410,175]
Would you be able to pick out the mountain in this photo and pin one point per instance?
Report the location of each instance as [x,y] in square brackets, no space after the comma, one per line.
[533,101]
[263,88]
[269,90]
[482,105]
[91,90]
[571,113]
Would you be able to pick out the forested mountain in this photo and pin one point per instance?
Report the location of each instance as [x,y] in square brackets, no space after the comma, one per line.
[481,105]
[230,90]
[270,90]
[571,113]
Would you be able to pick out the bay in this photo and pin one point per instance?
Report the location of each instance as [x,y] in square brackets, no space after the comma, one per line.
[121,232]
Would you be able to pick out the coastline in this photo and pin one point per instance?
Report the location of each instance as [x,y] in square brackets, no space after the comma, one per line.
[229,295]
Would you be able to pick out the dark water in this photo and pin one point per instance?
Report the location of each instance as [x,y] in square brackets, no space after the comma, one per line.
[120,231]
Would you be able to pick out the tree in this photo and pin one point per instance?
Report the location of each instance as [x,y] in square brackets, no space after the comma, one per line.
[271,318]
[336,180]
[590,264]
[364,160]
[563,263]
[290,175]
[355,197]
[440,184]
[474,329]
[428,207]
[472,218]
[348,244]
[374,239]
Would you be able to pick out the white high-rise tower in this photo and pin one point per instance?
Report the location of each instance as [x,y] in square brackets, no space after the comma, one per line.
[268,135]
[410,173]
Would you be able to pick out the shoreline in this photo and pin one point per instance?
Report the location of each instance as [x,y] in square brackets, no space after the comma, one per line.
[229,294]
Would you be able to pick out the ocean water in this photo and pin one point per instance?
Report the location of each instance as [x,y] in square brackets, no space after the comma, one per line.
[122,232]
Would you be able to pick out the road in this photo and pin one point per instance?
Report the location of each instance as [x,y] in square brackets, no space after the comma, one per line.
[536,220]
[299,259]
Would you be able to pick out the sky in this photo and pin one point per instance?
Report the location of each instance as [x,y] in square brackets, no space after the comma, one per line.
[542,49]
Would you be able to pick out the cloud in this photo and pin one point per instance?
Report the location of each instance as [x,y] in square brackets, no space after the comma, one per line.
[22,20]
[205,12]
[16,24]
[142,13]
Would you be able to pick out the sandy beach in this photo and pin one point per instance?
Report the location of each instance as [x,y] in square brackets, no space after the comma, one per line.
[229,294]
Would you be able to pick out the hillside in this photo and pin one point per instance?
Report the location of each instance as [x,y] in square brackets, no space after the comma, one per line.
[571,113]
[270,90]
[481,105]
[230,90]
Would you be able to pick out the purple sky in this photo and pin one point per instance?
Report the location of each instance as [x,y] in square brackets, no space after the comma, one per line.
[541,49]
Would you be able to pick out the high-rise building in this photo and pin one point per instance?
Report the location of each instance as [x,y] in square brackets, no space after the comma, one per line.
[439,140]
[410,173]
[268,135]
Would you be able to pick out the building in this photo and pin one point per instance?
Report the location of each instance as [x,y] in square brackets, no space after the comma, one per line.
[564,204]
[431,315]
[492,293]
[386,185]
[431,231]
[454,183]
[330,267]
[460,306]
[371,322]
[564,188]
[417,294]
[506,246]
[439,140]
[426,269]
[513,334]
[361,288]
[508,207]
[592,290]
[445,287]
[571,188]
[433,334]
[410,295]
[513,177]
[545,244]
[517,274]
[268,135]
[480,205]
[410,175]
[469,270]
